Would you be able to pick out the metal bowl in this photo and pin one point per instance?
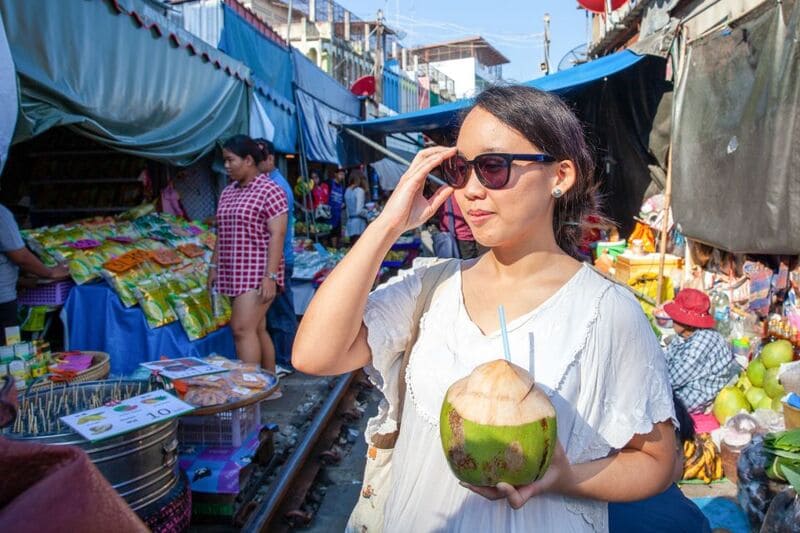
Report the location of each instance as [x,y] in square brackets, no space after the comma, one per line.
[141,465]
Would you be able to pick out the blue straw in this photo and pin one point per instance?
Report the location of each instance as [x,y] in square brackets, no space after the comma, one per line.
[504,331]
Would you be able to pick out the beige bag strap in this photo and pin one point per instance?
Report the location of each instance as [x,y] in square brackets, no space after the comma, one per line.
[431,281]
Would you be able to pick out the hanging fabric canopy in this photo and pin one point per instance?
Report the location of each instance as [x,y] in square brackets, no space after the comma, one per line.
[271,72]
[446,116]
[389,172]
[8,96]
[735,162]
[323,102]
[120,73]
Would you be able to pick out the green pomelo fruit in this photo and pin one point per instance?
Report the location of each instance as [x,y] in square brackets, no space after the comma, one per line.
[496,425]
[755,395]
[764,403]
[776,353]
[730,401]
[777,405]
[743,383]
[772,386]
[755,372]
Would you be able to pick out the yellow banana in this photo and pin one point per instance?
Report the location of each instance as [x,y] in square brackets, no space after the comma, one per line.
[718,473]
[689,447]
[692,470]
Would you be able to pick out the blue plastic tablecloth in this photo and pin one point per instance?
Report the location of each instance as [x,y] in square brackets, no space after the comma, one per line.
[95,319]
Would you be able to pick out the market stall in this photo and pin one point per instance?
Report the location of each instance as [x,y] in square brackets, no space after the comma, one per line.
[141,287]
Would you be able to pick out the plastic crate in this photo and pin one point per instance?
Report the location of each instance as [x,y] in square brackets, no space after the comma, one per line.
[228,428]
[48,294]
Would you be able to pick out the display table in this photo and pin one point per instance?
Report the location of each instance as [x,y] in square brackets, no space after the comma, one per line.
[95,319]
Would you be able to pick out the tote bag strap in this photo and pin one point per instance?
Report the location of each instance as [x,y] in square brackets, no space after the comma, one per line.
[431,283]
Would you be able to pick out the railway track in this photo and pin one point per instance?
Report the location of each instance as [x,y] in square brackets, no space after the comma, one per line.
[281,507]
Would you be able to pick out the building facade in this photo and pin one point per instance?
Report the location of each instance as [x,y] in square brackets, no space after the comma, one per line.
[348,48]
[472,63]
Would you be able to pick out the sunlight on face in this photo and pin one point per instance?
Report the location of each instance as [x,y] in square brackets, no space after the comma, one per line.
[523,209]
[235,166]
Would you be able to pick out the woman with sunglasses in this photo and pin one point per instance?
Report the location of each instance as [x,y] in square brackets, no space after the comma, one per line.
[522,174]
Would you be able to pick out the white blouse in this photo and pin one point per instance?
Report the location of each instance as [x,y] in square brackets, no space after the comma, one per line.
[590,348]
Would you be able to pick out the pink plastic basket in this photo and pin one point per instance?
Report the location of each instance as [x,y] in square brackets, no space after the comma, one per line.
[49,294]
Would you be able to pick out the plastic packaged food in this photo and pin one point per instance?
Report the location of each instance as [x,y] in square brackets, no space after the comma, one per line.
[191,316]
[154,299]
[81,269]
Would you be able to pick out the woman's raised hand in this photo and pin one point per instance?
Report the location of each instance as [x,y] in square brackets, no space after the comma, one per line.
[407,208]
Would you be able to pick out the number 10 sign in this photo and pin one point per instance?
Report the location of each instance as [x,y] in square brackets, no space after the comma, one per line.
[128,415]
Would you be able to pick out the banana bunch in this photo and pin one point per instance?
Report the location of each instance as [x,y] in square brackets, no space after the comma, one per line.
[701,459]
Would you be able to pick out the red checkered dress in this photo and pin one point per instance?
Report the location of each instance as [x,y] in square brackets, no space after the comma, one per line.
[243,237]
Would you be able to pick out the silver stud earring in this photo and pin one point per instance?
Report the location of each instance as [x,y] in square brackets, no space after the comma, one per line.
[557,193]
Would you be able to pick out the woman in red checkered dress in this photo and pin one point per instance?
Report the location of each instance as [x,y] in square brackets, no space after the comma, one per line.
[251,216]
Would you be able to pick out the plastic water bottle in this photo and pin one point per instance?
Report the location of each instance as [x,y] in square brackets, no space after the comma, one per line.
[721,310]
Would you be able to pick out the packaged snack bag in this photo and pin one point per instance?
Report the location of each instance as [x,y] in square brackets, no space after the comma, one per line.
[154,299]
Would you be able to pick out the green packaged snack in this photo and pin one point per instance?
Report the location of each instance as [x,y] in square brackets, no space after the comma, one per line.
[154,299]
[190,316]
[123,284]
[81,269]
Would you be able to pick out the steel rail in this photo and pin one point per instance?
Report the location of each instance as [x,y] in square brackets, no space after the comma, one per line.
[260,519]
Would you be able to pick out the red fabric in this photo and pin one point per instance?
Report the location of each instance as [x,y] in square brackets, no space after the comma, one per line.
[243,238]
[704,423]
[463,233]
[690,307]
[56,488]
[321,193]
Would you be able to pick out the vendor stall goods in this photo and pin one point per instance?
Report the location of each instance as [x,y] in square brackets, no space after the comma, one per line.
[155,261]
[140,465]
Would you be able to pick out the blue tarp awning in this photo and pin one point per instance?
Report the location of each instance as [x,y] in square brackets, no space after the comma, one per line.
[446,115]
[322,102]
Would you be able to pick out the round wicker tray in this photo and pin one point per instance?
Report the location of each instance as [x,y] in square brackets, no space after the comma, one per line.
[229,406]
[101,366]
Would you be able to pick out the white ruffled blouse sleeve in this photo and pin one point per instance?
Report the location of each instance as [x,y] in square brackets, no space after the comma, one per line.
[625,386]
[388,316]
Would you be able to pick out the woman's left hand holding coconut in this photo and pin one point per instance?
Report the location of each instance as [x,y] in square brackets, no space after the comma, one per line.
[611,479]
[555,481]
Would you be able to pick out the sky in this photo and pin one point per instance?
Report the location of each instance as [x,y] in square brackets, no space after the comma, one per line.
[515,27]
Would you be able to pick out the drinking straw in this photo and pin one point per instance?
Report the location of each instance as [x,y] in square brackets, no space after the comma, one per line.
[504,331]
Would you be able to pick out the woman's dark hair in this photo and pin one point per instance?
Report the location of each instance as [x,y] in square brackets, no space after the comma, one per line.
[242,145]
[548,122]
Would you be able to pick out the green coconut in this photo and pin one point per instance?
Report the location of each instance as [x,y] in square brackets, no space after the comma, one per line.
[497,425]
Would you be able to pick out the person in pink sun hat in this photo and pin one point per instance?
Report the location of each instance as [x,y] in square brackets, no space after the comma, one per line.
[699,360]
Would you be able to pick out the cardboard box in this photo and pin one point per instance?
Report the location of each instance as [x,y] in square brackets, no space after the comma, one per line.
[629,266]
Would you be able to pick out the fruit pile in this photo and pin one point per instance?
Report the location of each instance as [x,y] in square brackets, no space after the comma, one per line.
[701,459]
[758,387]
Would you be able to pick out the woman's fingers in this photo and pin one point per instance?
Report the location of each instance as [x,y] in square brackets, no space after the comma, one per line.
[490,493]
[425,161]
[439,197]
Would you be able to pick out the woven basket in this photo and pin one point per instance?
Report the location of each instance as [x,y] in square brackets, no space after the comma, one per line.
[101,366]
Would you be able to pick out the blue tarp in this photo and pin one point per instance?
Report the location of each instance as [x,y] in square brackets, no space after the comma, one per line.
[267,59]
[318,84]
[281,113]
[95,319]
[445,116]
[271,74]
[322,101]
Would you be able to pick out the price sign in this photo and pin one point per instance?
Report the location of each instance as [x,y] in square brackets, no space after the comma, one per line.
[129,415]
[183,368]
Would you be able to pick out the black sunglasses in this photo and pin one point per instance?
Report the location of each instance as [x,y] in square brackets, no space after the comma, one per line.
[493,170]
